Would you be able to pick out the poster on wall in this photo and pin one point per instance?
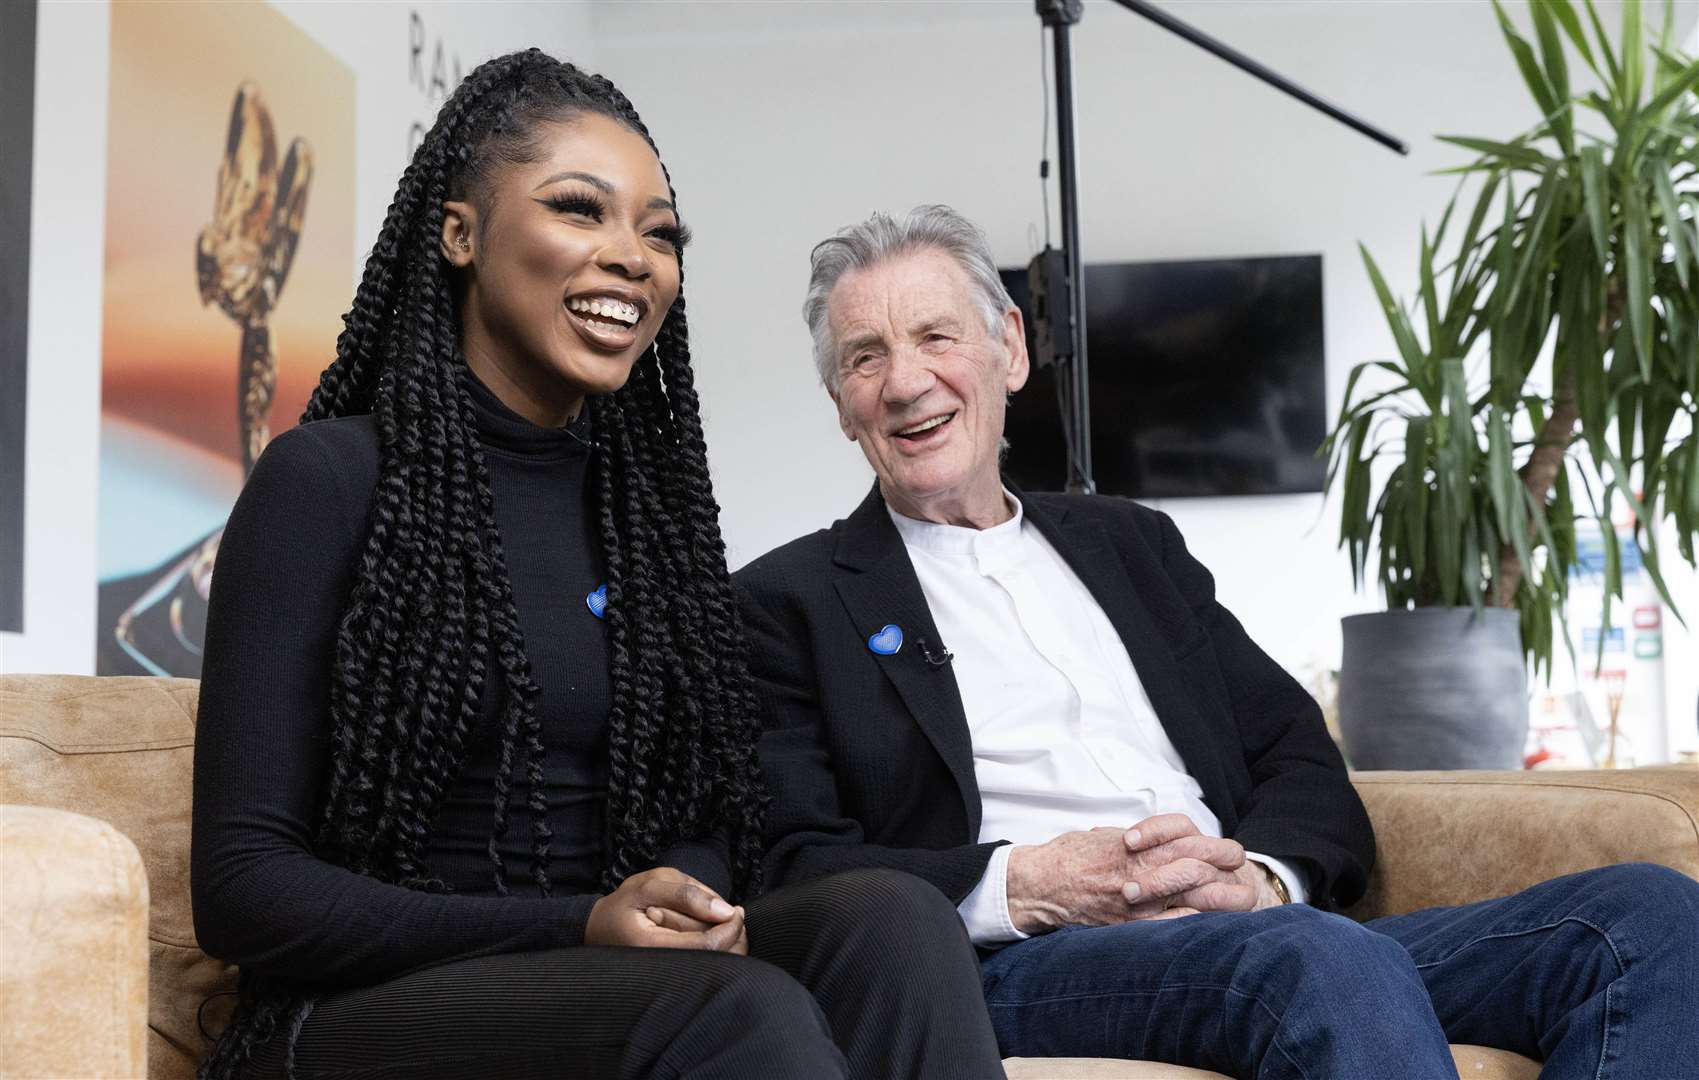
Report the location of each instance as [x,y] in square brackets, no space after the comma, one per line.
[229,257]
[17,135]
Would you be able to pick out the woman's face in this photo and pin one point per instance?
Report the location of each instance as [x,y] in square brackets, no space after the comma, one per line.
[571,269]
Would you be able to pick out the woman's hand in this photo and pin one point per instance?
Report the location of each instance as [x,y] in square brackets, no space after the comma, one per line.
[665,908]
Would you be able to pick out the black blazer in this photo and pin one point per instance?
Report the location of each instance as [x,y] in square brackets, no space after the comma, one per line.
[869,756]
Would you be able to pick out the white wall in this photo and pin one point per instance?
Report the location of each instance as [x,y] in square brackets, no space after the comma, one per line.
[62,425]
[376,41]
[782,122]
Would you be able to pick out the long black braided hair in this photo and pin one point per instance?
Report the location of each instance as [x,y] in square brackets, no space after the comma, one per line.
[430,625]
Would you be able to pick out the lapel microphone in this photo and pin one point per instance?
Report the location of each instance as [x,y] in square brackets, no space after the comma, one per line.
[941,659]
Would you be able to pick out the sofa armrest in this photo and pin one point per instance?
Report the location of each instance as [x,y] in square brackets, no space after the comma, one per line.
[1446,838]
[73,931]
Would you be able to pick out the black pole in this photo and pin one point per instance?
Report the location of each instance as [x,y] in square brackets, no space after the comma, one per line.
[1059,15]
[1251,67]
[1082,480]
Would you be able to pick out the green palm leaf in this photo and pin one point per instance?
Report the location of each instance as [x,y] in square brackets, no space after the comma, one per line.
[1585,243]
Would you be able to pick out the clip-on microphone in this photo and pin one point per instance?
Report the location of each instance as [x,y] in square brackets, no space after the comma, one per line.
[934,662]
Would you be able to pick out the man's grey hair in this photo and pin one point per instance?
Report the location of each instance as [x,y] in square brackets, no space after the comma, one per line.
[881,237]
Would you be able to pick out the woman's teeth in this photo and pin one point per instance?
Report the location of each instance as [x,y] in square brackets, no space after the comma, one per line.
[613,310]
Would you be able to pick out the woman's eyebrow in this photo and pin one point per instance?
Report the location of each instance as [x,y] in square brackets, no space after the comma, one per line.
[589,178]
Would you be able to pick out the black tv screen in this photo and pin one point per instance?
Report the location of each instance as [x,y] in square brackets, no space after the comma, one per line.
[1207,378]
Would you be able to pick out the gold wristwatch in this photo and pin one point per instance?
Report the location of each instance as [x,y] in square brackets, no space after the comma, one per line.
[1276,883]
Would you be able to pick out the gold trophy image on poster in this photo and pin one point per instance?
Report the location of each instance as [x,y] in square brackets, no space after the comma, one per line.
[242,261]
[242,258]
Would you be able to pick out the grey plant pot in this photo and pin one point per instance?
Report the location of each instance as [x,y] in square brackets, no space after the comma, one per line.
[1434,688]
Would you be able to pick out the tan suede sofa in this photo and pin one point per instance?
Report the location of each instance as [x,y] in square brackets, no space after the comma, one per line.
[101,976]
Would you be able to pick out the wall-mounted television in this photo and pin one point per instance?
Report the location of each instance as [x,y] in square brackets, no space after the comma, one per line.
[1207,378]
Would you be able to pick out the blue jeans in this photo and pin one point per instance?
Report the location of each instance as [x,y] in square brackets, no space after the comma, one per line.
[1596,974]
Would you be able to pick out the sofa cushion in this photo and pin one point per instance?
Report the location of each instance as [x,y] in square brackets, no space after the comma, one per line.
[1473,1063]
[122,750]
[73,931]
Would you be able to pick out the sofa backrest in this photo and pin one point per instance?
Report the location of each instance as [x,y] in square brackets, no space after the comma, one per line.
[122,750]
[1445,838]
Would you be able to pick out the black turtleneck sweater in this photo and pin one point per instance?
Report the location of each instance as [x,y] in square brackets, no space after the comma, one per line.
[285,566]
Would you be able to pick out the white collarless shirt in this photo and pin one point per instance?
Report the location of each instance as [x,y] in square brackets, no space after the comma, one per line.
[1064,736]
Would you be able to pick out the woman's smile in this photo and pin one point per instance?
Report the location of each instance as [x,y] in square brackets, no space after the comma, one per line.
[607,318]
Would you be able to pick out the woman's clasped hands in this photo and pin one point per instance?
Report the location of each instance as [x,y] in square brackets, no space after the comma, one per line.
[665,908]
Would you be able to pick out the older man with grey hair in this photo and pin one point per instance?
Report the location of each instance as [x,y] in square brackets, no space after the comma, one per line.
[1036,703]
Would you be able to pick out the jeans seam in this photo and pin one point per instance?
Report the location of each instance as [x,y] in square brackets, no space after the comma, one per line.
[1275,1041]
[1605,1036]
[1621,966]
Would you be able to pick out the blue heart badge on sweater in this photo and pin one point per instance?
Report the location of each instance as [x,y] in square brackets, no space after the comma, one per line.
[597,601]
[887,641]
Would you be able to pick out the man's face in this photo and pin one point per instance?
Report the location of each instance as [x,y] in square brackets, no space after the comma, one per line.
[921,382]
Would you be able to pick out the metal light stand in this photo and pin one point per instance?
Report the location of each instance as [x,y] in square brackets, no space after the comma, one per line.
[1072,370]
[1069,353]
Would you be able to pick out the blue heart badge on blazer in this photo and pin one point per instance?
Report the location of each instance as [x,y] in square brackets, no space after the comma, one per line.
[887,641]
[597,601]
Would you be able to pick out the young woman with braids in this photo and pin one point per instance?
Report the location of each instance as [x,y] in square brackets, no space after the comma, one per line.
[475,792]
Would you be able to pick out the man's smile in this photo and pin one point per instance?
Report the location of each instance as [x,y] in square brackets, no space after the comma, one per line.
[926,430]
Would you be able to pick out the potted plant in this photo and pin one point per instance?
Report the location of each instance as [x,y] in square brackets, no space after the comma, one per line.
[1548,366]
